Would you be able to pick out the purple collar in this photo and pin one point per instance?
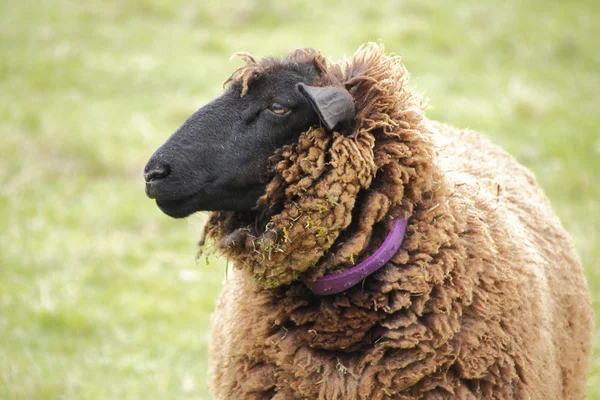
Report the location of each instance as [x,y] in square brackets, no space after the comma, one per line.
[338,282]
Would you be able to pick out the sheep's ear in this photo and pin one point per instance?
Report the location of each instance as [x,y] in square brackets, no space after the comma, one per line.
[332,104]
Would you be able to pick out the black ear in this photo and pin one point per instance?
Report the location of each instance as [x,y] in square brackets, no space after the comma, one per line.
[332,104]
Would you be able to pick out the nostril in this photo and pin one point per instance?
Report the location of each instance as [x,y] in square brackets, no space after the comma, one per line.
[156,173]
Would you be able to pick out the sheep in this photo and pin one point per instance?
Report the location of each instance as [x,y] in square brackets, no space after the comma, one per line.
[310,167]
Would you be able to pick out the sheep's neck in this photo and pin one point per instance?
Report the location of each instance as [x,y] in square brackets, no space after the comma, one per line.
[341,281]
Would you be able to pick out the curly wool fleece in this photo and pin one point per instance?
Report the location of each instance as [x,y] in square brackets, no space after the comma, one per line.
[318,180]
[485,299]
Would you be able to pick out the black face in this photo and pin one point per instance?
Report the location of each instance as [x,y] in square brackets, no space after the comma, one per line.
[217,160]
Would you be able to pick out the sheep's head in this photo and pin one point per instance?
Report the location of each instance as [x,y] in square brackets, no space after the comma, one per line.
[291,195]
[217,160]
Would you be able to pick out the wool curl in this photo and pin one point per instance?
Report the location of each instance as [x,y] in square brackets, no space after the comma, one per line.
[330,191]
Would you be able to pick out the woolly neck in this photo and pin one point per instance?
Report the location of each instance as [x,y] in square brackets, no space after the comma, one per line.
[334,195]
[339,282]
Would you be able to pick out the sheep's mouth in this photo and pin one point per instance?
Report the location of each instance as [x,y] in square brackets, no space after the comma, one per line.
[180,208]
[211,200]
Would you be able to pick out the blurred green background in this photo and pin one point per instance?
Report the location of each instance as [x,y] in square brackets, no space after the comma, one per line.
[100,294]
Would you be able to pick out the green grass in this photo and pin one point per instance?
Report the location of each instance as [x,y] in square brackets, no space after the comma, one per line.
[100,294]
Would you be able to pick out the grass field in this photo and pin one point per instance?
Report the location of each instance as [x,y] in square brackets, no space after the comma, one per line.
[100,294]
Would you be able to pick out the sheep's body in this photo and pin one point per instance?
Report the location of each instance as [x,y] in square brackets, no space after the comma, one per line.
[484,299]
[523,331]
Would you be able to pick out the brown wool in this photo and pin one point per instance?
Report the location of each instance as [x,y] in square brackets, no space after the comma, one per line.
[486,298]
[317,198]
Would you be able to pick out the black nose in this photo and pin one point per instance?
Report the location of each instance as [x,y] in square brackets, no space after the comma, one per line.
[156,172]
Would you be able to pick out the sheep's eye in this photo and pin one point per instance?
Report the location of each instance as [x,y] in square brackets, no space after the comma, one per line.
[278,109]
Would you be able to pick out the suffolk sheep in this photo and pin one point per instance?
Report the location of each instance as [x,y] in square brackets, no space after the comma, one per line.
[378,254]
